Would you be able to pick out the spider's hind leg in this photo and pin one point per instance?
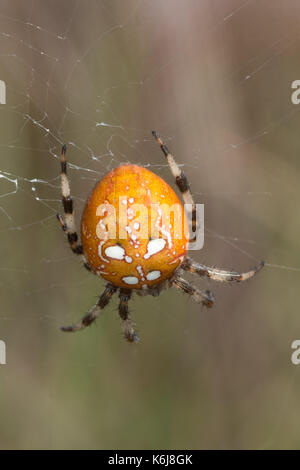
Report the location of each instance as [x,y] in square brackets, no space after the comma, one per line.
[182,183]
[68,225]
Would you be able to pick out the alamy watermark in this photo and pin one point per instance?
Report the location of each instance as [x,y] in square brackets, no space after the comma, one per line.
[2,352]
[141,222]
[295,96]
[2,92]
[295,357]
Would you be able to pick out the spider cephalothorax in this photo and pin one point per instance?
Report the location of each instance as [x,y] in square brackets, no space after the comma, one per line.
[130,237]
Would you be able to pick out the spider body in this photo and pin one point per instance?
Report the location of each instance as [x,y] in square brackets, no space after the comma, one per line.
[131,237]
[135,201]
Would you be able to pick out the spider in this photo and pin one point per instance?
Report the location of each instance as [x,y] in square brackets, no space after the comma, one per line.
[135,264]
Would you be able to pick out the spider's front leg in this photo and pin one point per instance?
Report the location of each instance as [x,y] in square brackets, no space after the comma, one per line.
[205,297]
[219,274]
[95,311]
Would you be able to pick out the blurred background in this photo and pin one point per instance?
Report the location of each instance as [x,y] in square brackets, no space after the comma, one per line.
[214,78]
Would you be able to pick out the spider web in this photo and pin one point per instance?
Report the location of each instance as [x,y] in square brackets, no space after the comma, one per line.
[99,76]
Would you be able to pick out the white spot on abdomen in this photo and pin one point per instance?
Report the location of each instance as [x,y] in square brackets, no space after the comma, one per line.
[115,252]
[154,246]
[130,280]
[140,271]
[100,251]
[128,259]
[153,275]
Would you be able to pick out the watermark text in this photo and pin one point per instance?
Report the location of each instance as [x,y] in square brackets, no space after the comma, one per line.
[141,222]
[2,352]
[2,92]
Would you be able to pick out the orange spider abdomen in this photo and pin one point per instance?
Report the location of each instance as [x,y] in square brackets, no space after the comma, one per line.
[134,229]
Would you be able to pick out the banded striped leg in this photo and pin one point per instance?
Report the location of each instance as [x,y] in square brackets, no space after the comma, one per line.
[129,333]
[219,274]
[181,181]
[95,311]
[205,297]
[69,225]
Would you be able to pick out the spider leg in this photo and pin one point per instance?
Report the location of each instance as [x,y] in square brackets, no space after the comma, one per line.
[68,226]
[219,274]
[205,297]
[64,228]
[95,311]
[181,181]
[129,333]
